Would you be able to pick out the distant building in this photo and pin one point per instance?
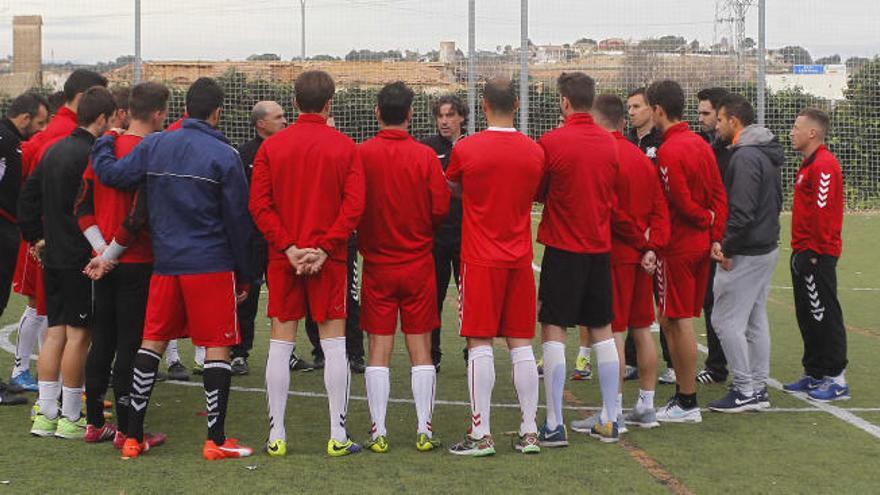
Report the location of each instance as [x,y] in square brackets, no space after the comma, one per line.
[27,56]
[550,54]
[612,45]
[824,81]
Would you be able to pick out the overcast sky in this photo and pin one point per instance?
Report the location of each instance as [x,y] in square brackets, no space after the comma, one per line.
[92,30]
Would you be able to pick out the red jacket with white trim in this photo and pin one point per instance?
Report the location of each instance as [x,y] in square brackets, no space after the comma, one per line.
[817,212]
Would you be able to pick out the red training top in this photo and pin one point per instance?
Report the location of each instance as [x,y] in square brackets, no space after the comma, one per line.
[817,212]
[32,150]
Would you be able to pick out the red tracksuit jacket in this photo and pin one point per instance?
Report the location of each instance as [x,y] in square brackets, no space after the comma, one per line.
[407,198]
[817,213]
[307,188]
[62,124]
[640,205]
[581,166]
[693,186]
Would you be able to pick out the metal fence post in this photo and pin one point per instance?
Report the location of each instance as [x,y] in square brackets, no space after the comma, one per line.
[762,61]
[471,68]
[137,42]
[524,68]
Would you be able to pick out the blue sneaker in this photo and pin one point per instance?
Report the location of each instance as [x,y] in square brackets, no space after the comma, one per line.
[803,385]
[557,437]
[829,391]
[734,402]
[24,381]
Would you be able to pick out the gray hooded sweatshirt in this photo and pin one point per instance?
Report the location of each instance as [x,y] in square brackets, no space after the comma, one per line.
[753,181]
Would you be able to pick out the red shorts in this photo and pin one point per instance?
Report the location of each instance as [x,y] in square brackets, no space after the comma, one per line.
[201,306]
[28,278]
[409,289]
[497,302]
[292,296]
[681,284]
[633,297]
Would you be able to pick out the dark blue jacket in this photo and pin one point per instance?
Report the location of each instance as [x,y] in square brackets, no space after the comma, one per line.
[197,196]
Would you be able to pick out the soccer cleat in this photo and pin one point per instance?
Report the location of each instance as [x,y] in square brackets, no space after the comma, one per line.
[667,377]
[424,443]
[151,439]
[379,445]
[643,418]
[672,412]
[71,430]
[582,369]
[177,372]
[43,426]
[229,450]
[734,402]
[357,366]
[318,363]
[606,432]
[23,382]
[131,448]
[540,365]
[557,437]
[276,448]
[803,385]
[299,364]
[707,377]
[474,447]
[198,369]
[528,444]
[35,409]
[339,449]
[630,373]
[829,391]
[102,434]
[763,397]
[586,425]
[240,366]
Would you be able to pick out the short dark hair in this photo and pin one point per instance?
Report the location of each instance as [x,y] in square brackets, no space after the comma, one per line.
[611,108]
[56,101]
[450,99]
[500,95]
[735,105]
[81,80]
[122,96]
[28,103]
[146,98]
[636,92]
[667,95]
[203,98]
[312,90]
[713,96]
[819,117]
[579,88]
[96,101]
[395,101]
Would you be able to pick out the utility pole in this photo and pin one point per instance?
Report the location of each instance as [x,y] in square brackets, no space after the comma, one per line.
[762,60]
[524,68]
[471,68]
[138,69]
[302,15]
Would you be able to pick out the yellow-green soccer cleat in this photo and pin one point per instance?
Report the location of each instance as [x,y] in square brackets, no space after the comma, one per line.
[277,448]
[528,444]
[606,432]
[43,426]
[34,411]
[582,369]
[379,445]
[339,449]
[424,443]
[71,430]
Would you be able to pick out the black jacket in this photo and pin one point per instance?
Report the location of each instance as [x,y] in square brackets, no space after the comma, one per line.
[47,201]
[259,251]
[248,151]
[753,181]
[721,149]
[649,143]
[10,169]
[450,231]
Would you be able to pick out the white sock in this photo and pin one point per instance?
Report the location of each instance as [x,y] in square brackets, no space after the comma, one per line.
[277,386]
[71,402]
[48,398]
[584,352]
[337,379]
[172,355]
[646,399]
[525,380]
[200,355]
[29,328]
[554,381]
[609,377]
[424,389]
[44,330]
[619,404]
[378,382]
[481,381]
[840,379]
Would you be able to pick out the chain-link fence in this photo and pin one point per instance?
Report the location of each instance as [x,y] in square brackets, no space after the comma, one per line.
[817,53]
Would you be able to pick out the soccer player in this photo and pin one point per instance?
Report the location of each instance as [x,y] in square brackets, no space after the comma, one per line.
[48,224]
[28,278]
[121,118]
[307,196]
[111,220]
[497,172]
[747,254]
[450,116]
[407,199]
[709,99]
[576,269]
[816,221]
[698,212]
[197,197]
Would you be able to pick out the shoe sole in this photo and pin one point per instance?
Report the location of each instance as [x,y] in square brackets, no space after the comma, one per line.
[826,401]
[69,437]
[665,382]
[474,453]
[696,419]
[553,443]
[605,439]
[577,378]
[43,433]
[531,449]
[734,410]
[644,425]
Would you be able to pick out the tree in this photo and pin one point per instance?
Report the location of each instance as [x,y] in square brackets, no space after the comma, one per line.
[853,64]
[795,55]
[748,44]
[264,57]
[323,58]
[586,41]
[832,60]
[695,45]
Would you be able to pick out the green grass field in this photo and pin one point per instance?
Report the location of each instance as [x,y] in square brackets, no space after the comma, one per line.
[794,448]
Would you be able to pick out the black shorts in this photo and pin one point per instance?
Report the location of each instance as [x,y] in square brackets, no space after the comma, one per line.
[68,297]
[575,289]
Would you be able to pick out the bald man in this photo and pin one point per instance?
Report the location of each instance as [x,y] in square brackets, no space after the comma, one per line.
[267,117]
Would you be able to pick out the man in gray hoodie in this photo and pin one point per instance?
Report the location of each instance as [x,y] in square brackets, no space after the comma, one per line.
[747,254]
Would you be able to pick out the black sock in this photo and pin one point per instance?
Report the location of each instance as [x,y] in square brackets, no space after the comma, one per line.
[146,363]
[217,379]
[687,401]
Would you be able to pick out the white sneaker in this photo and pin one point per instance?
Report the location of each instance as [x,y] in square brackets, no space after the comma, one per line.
[667,377]
[674,413]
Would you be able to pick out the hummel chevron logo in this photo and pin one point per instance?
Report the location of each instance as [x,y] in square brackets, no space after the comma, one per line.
[824,176]
[819,316]
[477,419]
[809,279]
[138,406]
[815,304]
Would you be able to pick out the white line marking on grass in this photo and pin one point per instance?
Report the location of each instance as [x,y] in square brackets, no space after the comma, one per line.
[854,289]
